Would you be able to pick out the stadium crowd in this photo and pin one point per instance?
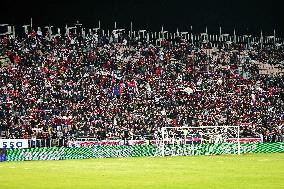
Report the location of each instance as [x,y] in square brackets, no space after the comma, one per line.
[118,87]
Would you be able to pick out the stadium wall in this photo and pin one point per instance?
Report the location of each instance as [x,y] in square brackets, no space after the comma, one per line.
[63,153]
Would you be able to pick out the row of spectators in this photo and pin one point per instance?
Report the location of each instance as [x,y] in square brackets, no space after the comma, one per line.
[116,87]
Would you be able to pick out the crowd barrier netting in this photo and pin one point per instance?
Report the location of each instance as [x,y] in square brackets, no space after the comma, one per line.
[138,151]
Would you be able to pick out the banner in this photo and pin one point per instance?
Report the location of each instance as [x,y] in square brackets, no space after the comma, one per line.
[140,151]
[79,153]
[109,143]
[14,143]
[245,140]
[154,142]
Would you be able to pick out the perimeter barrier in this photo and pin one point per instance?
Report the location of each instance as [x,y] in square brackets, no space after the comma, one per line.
[64,153]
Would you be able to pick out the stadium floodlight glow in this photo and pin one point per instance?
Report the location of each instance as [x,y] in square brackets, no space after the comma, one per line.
[185,141]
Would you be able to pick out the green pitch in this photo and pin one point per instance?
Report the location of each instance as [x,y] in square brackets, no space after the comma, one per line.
[246,171]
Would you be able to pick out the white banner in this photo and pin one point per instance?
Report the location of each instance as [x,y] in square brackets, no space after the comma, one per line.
[14,143]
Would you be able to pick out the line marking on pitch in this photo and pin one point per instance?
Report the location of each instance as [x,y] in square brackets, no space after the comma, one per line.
[220,161]
[263,160]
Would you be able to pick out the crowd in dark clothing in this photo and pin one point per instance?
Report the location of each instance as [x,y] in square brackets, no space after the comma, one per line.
[118,87]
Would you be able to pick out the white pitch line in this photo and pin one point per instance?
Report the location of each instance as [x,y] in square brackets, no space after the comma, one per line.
[12,167]
[220,161]
[263,160]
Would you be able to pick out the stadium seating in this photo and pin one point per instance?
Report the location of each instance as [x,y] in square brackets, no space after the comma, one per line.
[120,87]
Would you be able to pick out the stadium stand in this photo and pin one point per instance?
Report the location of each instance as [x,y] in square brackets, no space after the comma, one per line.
[119,85]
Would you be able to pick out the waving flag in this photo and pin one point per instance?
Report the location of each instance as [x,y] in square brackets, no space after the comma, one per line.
[116,90]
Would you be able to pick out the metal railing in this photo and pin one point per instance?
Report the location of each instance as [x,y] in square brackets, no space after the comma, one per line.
[41,143]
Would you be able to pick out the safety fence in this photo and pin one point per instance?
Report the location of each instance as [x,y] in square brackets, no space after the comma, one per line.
[138,151]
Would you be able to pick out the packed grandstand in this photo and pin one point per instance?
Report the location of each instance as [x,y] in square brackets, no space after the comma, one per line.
[122,85]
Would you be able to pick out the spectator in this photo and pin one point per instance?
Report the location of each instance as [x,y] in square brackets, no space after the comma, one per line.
[119,88]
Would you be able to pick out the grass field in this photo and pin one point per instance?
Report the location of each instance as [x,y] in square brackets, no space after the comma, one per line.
[246,171]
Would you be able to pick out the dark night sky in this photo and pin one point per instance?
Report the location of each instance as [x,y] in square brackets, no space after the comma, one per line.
[244,15]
